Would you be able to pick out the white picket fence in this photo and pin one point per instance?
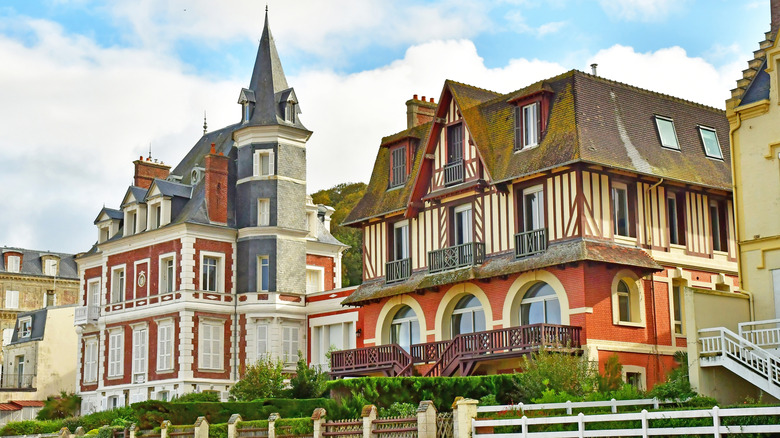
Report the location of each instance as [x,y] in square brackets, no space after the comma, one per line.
[482,428]
[570,406]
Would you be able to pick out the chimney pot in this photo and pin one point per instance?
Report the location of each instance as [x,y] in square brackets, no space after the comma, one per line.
[423,99]
[593,69]
[431,100]
[213,149]
[415,97]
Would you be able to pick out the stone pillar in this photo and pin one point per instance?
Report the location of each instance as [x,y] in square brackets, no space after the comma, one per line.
[164,428]
[317,419]
[201,428]
[426,420]
[272,424]
[233,425]
[133,430]
[369,415]
[80,431]
[64,433]
[465,410]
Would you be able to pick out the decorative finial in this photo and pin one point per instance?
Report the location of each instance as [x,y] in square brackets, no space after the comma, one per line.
[266,8]
[150,151]
[205,125]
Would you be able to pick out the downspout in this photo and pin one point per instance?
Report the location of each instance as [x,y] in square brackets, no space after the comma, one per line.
[649,241]
[235,335]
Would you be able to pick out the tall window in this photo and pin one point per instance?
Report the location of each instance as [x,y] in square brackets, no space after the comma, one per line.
[468,316]
[167,274]
[530,125]
[90,360]
[314,279]
[209,273]
[675,220]
[678,303]
[118,285]
[620,209]
[261,344]
[533,208]
[115,353]
[405,329]
[50,299]
[263,164]
[718,226]
[25,327]
[11,299]
[401,240]
[165,346]
[157,216]
[398,170]
[290,345]
[50,267]
[263,212]
[14,263]
[666,132]
[211,350]
[140,341]
[93,295]
[263,273]
[454,143]
[709,139]
[540,305]
[463,224]
[624,301]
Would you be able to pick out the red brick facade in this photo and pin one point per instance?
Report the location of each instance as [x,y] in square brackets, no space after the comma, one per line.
[151,268]
[325,262]
[217,186]
[146,171]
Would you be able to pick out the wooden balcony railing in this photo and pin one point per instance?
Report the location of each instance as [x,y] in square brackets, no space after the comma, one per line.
[453,172]
[389,359]
[457,256]
[428,352]
[398,270]
[530,242]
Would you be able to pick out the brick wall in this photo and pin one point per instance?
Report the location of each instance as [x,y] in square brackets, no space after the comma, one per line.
[326,262]
[152,252]
[224,248]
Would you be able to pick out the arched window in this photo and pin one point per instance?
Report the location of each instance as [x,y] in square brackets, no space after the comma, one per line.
[627,301]
[624,301]
[405,329]
[540,305]
[468,316]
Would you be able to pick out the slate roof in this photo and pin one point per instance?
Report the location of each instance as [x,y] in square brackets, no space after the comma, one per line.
[111,213]
[754,84]
[557,254]
[33,265]
[169,188]
[38,319]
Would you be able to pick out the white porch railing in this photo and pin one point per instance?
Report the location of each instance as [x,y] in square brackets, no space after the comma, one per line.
[86,315]
[584,429]
[570,407]
[765,334]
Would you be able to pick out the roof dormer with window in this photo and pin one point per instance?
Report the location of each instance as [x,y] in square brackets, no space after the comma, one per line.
[108,223]
[530,116]
[134,211]
[12,261]
[50,264]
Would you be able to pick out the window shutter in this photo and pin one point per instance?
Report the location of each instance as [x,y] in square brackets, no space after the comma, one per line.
[256,163]
[262,341]
[538,122]
[271,163]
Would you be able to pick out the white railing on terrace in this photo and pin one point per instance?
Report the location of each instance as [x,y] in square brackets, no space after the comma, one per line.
[757,332]
[86,314]
[646,428]
[728,345]
[572,406]
[275,298]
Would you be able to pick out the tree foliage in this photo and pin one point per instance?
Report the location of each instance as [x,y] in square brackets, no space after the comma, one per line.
[612,379]
[263,379]
[308,382]
[344,197]
[63,406]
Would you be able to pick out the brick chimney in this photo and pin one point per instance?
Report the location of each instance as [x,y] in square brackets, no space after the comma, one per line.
[775,13]
[147,170]
[216,186]
[419,111]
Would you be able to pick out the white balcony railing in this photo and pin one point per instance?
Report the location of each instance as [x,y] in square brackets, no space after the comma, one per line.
[86,315]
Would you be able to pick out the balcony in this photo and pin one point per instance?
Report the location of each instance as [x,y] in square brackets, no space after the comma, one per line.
[84,315]
[461,355]
[453,172]
[398,270]
[531,242]
[453,257]
[14,381]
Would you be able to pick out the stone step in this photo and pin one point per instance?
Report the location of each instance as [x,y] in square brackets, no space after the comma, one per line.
[744,82]
[749,73]
[769,35]
[736,93]
[760,53]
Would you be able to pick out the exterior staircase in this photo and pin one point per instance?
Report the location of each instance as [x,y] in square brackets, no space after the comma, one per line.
[751,354]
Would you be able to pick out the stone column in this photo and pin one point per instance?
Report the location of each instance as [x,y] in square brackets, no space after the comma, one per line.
[426,420]
[369,415]
[317,419]
[133,430]
[233,425]
[272,424]
[465,410]
[164,428]
[201,428]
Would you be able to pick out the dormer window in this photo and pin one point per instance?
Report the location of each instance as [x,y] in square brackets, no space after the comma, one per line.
[25,327]
[527,125]
[398,166]
[246,112]
[103,234]
[289,111]
[13,263]
[50,267]
[666,132]
[709,138]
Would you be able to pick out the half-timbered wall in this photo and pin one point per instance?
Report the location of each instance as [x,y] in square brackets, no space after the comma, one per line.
[562,207]
[472,166]
[596,219]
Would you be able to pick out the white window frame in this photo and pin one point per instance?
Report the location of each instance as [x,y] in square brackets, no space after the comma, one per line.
[11,299]
[664,142]
[537,192]
[679,290]
[116,353]
[46,298]
[715,234]
[636,300]
[90,360]
[530,116]
[261,340]
[404,227]
[122,288]
[25,327]
[165,339]
[220,270]
[257,162]
[90,298]
[320,286]
[14,263]
[701,129]
[291,338]
[260,260]
[50,267]
[211,338]
[619,186]
[636,370]
[456,212]
[263,212]
[140,353]
[163,275]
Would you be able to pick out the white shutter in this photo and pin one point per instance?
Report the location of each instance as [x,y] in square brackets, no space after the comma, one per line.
[115,345]
[165,346]
[290,344]
[211,346]
[256,163]
[12,299]
[271,163]
[264,212]
[262,341]
[139,351]
[7,335]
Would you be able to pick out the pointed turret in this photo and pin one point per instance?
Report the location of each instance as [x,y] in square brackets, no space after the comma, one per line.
[267,100]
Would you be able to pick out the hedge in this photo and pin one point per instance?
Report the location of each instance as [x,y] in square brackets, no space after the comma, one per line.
[298,426]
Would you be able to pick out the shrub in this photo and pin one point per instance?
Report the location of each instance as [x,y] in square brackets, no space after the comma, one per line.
[559,372]
[264,379]
[31,427]
[297,426]
[398,410]
[489,400]
[192,397]
[612,379]
[66,405]
[308,382]
[218,430]
[677,385]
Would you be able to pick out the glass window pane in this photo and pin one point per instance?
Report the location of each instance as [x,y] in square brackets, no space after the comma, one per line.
[479,320]
[532,313]
[623,305]
[457,324]
[667,133]
[711,145]
[415,330]
[552,311]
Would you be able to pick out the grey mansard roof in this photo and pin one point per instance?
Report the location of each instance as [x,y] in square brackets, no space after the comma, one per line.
[32,263]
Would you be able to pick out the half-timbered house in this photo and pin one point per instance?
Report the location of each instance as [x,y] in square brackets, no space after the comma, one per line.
[567,214]
[212,265]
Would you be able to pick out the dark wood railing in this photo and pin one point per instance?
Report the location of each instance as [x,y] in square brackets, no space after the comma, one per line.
[428,352]
[457,256]
[530,242]
[392,359]
[398,270]
[453,172]
[512,339]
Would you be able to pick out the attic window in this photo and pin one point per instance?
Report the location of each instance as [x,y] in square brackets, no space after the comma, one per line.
[398,166]
[25,327]
[666,132]
[246,111]
[14,263]
[289,111]
[527,125]
[709,138]
[50,267]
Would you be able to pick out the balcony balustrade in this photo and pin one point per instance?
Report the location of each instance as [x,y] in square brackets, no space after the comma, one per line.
[453,257]
[453,172]
[531,242]
[86,315]
[18,381]
[398,270]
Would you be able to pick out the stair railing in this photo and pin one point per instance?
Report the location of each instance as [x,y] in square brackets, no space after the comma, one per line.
[728,344]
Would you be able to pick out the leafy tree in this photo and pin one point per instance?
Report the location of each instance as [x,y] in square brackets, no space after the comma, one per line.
[63,406]
[343,198]
[612,379]
[677,385]
[264,379]
[544,370]
[308,382]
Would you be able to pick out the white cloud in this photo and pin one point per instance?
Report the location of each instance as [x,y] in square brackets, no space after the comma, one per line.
[517,23]
[670,71]
[641,10]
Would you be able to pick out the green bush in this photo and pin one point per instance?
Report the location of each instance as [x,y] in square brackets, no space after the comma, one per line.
[264,379]
[308,382]
[218,430]
[399,410]
[58,407]
[544,370]
[677,385]
[294,426]
[192,397]
[253,424]
[31,427]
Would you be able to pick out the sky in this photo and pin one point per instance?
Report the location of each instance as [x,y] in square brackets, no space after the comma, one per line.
[88,86]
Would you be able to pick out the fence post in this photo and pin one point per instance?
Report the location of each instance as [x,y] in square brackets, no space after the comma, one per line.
[201,428]
[644,422]
[581,425]
[426,420]
[64,433]
[233,425]
[164,428]
[465,410]
[133,430]
[524,424]
[655,403]
[317,419]
[568,407]
[614,406]
[79,431]
[272,424]
[369,415]
[716,422]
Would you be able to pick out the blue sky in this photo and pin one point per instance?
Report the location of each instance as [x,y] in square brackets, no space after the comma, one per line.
[93,83]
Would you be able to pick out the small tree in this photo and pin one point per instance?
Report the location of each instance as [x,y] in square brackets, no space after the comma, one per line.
[264,379]
[63,406]
[309,381]
[612,379]
[544,371]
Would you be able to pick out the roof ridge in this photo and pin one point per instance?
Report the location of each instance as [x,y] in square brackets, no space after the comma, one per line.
[413,128]
[471,86]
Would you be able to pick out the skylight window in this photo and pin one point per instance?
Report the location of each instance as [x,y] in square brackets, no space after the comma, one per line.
[710,141]
[667,133]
